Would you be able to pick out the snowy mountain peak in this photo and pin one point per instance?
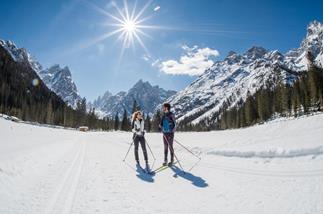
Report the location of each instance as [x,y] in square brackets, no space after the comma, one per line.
[233,58]
[106,94]
[314,28]
[148,97]
[60,81]
[230,54]
[20,54]
[57,70]
[297,59]
[66,72]
[141,84]
[274,55]
[255,52]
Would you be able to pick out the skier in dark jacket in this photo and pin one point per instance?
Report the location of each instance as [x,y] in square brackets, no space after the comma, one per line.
[138,137]
[168,126]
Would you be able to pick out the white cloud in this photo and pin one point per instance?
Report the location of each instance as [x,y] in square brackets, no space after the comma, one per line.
[157,8]
[193,62]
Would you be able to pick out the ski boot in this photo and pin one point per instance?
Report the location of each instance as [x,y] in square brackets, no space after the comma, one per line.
[147,167]
[171,163]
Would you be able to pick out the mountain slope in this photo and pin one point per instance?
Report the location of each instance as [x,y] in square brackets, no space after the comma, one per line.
[60,81]
[148,97]
[20,55]
[22,93]
[230,81]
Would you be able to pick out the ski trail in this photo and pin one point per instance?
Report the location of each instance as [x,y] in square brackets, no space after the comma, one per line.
[63,198]
[75,182]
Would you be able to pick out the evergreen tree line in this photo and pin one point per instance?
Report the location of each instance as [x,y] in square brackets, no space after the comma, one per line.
[125,124]
[23,95]
[303,97]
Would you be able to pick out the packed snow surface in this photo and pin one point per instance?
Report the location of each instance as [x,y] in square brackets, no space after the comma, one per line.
[270,168]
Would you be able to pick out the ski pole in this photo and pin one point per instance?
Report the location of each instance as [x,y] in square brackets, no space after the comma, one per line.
[150,149]
[187,149]
[174,153]
[194,165]
[128,150]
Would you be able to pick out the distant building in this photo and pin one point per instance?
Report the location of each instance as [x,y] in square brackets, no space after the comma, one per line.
[83,128]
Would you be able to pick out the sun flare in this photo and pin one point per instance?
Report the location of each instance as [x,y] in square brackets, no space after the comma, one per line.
[130,26]
[128,23]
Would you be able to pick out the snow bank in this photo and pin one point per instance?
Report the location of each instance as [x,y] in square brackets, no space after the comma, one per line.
[272,153]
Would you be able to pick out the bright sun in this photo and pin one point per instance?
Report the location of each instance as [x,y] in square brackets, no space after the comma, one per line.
[128,23]
[129,26]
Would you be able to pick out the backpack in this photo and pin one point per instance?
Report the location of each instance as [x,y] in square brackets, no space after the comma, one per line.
[168,123]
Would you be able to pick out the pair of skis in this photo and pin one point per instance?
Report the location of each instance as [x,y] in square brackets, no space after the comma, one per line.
[163,167]
[147,170]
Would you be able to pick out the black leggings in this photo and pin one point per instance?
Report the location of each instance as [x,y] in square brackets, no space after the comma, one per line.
[168,144]
[141,140]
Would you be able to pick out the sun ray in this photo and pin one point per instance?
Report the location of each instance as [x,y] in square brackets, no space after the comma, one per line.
[134,10]
[98,9]
[143,19]
[142,10]
[113,24]
[144,34]
[121,36]
[120,13]
[126,10]
[141,43]
[99,39]
[155,27]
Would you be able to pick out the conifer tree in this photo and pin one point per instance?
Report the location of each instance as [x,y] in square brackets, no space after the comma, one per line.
[148,123]
[116,122]
[125,122]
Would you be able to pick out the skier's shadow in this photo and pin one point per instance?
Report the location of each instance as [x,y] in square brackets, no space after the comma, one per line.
[144,176]
[195,180]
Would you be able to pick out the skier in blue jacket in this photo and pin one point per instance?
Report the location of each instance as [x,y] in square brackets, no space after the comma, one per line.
[168,126]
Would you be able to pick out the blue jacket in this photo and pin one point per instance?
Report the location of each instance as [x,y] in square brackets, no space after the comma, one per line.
[168,122]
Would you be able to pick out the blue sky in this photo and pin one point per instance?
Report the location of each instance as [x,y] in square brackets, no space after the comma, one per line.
[63,32]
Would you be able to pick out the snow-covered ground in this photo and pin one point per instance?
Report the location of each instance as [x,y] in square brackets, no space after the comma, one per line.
[271,168]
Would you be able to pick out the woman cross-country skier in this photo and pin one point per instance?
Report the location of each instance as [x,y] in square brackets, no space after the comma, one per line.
[138,137]
[168,126]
